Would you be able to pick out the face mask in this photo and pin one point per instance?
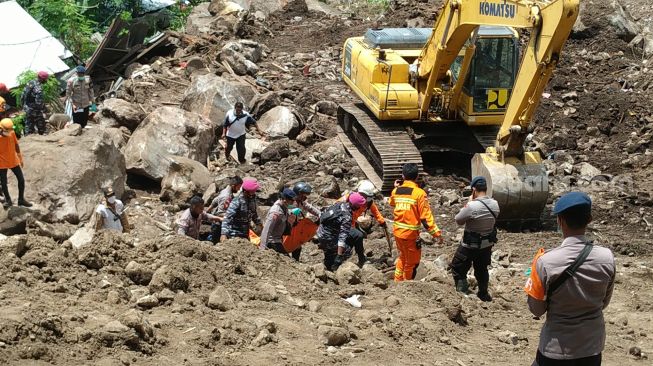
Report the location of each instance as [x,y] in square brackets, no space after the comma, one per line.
[111,200]
[81,78]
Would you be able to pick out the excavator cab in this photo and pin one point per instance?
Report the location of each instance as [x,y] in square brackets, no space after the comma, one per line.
[491,76]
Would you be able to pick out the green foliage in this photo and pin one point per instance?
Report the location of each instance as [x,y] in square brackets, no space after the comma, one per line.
[50,87]
[19,124]
[179,15]
[66,21]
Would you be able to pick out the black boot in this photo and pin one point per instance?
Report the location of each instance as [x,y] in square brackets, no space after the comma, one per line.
[482,293]
[462,286]
[24,203]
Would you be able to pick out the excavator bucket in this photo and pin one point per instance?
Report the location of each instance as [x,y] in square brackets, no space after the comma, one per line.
[521,187]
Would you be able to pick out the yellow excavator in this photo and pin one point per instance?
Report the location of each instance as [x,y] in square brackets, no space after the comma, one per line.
[466,85]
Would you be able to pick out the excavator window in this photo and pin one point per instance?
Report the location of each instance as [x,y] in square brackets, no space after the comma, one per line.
[493,71]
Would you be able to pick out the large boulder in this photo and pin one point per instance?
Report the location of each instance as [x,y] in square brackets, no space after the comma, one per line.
[276,151]
[238,62]
[262,103]
[185,178]
[199,20]
[117,112]
[66,171]
[168,131]
[251,50]
[280,122]
[212,96]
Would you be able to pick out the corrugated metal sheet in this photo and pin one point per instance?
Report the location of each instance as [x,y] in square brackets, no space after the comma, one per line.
[26,45]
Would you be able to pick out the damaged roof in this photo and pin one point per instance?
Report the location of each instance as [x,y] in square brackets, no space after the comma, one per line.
[26,45]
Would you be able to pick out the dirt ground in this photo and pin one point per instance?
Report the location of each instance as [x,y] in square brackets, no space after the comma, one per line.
[153,298]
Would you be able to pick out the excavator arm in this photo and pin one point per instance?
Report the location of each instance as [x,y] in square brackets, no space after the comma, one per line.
[516,179]
[550,23]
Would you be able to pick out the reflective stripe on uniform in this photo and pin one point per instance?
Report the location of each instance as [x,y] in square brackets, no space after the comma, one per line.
[406,226]
[411,201]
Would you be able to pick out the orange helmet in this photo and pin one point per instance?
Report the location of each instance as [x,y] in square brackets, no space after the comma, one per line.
[7,124]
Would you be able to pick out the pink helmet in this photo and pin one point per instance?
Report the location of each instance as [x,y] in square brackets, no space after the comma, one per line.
[43,75]
[357,200]
[250,185]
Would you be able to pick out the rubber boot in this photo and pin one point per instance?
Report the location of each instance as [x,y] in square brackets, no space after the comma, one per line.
[462,286]
[482,293]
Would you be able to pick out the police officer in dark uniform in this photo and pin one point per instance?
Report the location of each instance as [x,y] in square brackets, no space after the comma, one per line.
[479,217]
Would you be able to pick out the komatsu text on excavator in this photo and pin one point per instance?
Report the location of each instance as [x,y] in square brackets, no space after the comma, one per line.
[465,86]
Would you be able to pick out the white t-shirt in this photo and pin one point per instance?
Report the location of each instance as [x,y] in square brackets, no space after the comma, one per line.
[237,127]
[111,221]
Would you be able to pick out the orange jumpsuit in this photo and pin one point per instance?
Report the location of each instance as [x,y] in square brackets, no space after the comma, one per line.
[361,210]
[411,211]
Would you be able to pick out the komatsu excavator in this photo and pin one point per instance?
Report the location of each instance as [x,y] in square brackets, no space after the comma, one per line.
[458,87]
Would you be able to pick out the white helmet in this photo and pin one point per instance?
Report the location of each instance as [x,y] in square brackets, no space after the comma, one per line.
[366,188]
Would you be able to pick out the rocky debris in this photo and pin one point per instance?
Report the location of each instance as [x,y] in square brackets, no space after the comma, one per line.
[169,276]
[267,292]
[117,112]
[238,62]
[58,121]
[134,319]
[199,21]
[185,179]
[327,187]
[138,273]
[371,275]
[168,131]
[280,122]
[115,326]
[314,306]
[264,337]
[212,96]
[275,151]
[327,107]
[333,336]
[251,50]
[70,189]
[220,299]
[306,137]
[148,301]
[262,103]
[319,272]
[587,171]
[348,274]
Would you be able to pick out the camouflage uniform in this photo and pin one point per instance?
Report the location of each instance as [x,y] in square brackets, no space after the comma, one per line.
[242,210]
[34,106]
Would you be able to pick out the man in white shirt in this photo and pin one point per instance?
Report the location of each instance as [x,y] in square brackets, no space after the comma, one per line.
[235,128]
[110,216]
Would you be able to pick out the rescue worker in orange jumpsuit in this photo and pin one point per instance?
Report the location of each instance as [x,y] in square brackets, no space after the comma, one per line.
[356,235]
[411,212]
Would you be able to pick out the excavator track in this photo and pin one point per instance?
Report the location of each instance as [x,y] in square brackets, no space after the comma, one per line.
[379,148]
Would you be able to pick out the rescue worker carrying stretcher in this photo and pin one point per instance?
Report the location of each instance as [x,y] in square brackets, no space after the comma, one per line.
[479,217]
[241,213]
[333,232]
[356,235]
[278,222]
[411,212]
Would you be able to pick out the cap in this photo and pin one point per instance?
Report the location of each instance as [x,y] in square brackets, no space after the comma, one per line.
[108,192]
[80,69]
[478,181]
[43,75]
[572,199]
[356,200]
[250,185]
[3,88]
[288,193]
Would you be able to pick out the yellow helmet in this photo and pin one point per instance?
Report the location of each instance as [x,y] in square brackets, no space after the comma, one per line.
[7,124]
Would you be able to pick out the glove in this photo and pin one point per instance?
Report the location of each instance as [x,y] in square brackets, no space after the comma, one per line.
[383,224]
[337,262]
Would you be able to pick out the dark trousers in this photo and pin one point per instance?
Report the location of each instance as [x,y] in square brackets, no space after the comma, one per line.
[278,247]
[465,257]
[81,118]
[216,232]
[354,242]
[18,172]
[240,147]
[34,122]
[541,360]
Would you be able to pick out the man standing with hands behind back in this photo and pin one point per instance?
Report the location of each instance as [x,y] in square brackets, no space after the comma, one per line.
[235,130]
[572,284]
